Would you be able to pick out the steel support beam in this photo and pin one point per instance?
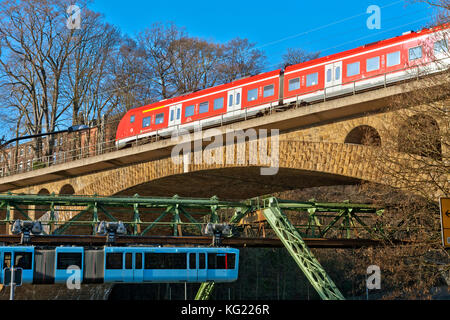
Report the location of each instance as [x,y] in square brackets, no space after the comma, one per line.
[297,248]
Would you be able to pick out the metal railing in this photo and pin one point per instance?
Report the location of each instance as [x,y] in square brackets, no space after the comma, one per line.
[150,136]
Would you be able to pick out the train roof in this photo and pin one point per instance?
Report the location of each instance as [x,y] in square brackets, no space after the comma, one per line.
[372,45]
[202,92]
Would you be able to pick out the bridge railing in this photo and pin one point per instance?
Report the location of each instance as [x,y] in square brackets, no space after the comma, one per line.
[99,148]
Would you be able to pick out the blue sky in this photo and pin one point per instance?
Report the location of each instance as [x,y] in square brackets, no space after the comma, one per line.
[327,26]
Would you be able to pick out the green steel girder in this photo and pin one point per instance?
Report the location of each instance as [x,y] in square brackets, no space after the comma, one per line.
[297,248]
[205,290]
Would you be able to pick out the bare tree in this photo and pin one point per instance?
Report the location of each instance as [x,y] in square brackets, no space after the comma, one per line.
[296,56]
[240,59]
[35,46]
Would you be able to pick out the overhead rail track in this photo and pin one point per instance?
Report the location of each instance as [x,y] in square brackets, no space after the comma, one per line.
[181,221]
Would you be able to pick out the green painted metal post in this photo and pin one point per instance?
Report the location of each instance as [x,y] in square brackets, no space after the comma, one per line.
[294,243]
[205,290]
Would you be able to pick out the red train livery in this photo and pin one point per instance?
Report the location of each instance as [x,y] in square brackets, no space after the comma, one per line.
[371,65]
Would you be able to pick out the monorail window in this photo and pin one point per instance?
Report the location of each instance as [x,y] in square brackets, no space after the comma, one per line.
[192,261]
[7,260]
[114,261]
[159,118]
[23,260]
[312,79]
[218,103]
[67,259]
[165,261]
[269,91]
[415,53]
[138,260]
[216,261]
[189,111]
[373,64]
[221,260]
[393,59]
[252,95]
[128,260]
[294,84]
[204,107]
[146,122]
[201,260]
[132,119]
[352,69]
[440,46]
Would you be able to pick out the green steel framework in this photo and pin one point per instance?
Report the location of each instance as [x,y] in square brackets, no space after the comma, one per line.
[319,220]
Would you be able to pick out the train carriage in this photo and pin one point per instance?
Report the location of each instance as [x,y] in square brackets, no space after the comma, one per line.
[369,66]
[122,264]
[209,107]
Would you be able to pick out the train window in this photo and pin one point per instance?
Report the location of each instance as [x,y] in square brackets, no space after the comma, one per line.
[337,75]
[393,59]
[114,261]
[216,261]
[440,46]
[238,98]
[178,113]
[23,260]
[373,64]
[231,260]
[189,111]
[138,260]
[146,122]
[192,261]
[328,75]
[67,259]
[204,107]
[415,53]
[171,115]
[132,119]
[201,260]
[7,260]
[165,261]
[352,69]
[294,84]
[269,91]
[252,94]
[128,260]
[159,118]
[230,100]
[218,103]
[312,79]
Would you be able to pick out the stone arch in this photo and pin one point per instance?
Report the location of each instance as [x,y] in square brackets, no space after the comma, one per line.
[420,134]
[67,189]
[364,135]
[40,210]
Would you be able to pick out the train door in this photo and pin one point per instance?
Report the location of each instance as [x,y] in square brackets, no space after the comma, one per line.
[333,77]
[127,272]
[175,115]
[138,274]
[201,271]
[6,262]
[192,267]
[234,100]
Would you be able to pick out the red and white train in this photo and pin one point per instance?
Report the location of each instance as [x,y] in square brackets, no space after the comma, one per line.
[371,65]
